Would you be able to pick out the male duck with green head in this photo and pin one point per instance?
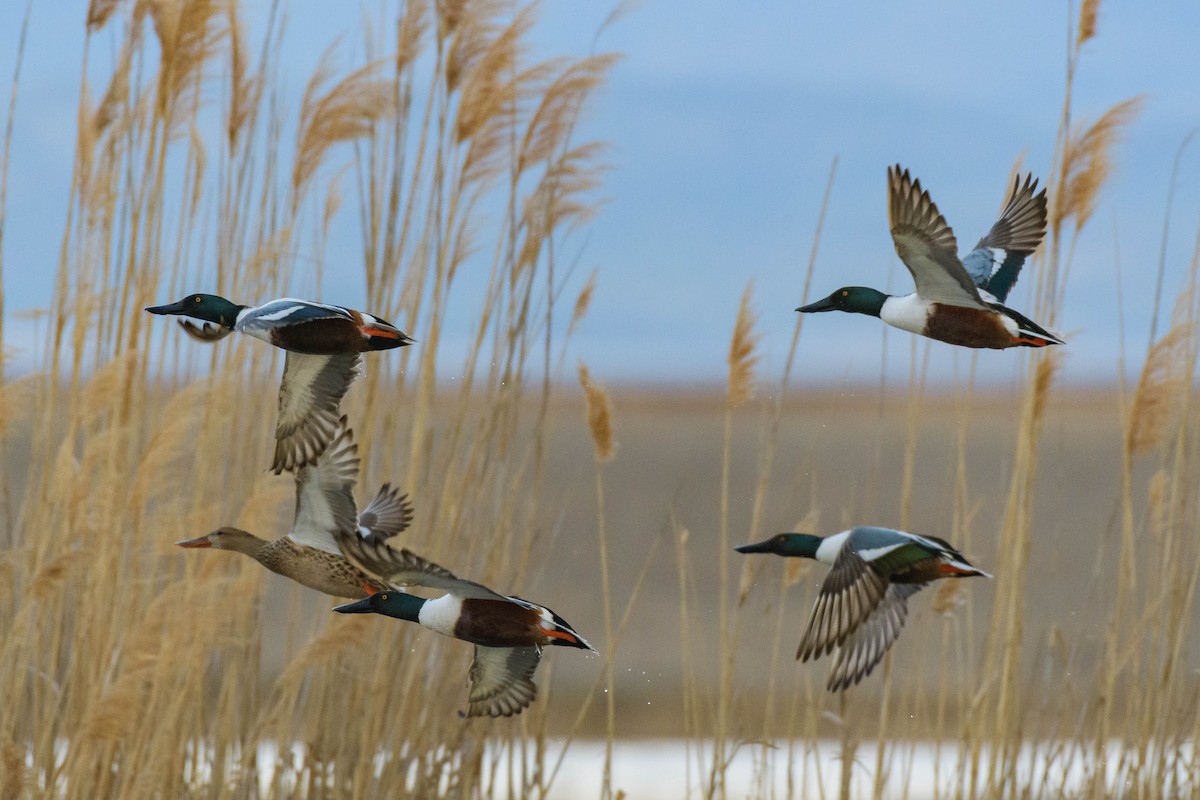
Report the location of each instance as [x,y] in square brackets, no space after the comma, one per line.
[863,601]
[508,633]
[323,343]
[959,302]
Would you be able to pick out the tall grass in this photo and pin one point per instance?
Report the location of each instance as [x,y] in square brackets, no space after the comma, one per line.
[133,671]
[1022,721]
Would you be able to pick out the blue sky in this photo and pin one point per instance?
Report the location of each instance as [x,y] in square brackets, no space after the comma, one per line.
[722,121]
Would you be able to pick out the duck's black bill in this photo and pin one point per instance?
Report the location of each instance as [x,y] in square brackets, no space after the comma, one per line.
[171,308]
[357,607]
[760,547]
[821,305]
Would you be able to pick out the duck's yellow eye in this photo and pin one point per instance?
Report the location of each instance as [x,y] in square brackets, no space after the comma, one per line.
[383,597]
[845,293]
[197,298]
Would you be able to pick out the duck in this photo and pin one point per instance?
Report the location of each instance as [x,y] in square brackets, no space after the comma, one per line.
[323,343]
[958,302]
[309,554]
[863,602]
[509,633]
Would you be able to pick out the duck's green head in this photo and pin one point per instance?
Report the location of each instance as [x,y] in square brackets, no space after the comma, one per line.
[390,603]
[851,299]
[797,545]
[208,307]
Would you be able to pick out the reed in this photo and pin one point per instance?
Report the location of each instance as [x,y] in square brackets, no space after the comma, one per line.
[136,671]
[131,669]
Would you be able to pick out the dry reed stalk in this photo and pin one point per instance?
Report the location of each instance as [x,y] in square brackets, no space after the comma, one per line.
[5,155]
[227,450]
[741,360]
[599,419]
[770,434]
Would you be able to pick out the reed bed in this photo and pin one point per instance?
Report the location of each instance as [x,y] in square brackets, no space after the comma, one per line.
[132,669]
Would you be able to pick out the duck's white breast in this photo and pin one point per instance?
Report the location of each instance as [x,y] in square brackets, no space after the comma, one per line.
[441,614]
[909,312]
[827,551]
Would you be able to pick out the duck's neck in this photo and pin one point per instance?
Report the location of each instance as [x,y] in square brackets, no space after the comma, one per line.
[400,605]
[800,545]
[867,301]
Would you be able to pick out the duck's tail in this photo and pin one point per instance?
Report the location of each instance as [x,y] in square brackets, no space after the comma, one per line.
[383,335]
[1029,333]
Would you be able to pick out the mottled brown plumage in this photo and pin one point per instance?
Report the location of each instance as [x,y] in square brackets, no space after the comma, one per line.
[308,554]
[316,569]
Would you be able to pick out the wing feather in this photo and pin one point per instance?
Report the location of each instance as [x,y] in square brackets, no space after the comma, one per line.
[926,244]
[389,514]
[850,593]
[995,263]
[405,568]
[859,654]
[501,680]
[325,494]
[309,399]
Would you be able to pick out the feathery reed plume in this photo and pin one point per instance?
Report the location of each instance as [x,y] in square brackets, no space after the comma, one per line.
[339,635]
[1087,21]
[267,506]
[159,469]
[488,83]
[117,95]
[1089,162]
[474,31]
[346,111]
[49,579]
[582,303]
[114,714]
[98,13]
[1160,388]
[741,354]
[188,34]
[450,14]
[242,88]
[560,106]
[599,416]
[410,35]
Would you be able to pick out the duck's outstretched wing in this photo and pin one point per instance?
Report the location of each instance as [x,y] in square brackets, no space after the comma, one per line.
[501,680]
[389,514]
[995,263]
[849,594]
[310,397]
[325,494]
[406,568]
[926,244]
[866,647]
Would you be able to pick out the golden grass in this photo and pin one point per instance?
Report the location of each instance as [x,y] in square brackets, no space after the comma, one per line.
[131,669]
